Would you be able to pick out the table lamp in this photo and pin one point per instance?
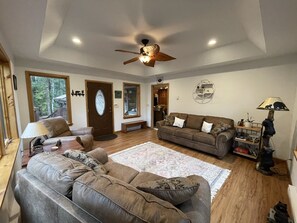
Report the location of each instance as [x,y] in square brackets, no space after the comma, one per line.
[33,130]
[266,161]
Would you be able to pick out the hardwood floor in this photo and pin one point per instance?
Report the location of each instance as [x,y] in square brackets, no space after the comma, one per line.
[246,196]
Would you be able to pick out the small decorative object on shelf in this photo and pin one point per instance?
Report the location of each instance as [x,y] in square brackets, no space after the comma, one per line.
[248,140]
[248,122]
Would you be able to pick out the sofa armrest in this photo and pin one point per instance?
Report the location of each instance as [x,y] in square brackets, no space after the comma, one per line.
[99,154]
[226,136]
[160,123]
[82,131]
[198,208]
[224,142]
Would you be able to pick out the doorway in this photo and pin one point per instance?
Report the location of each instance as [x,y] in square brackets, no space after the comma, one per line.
[99,107]
[160,103]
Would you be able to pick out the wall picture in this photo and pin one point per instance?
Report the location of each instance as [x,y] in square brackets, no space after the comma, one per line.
[117,94]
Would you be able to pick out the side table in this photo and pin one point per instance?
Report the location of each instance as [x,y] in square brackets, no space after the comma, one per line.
[73,144]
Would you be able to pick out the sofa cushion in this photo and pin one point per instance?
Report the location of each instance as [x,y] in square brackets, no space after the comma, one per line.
[218,128]
[206,127]
[168,129]
[144,177]
[178,122]
[194,121]
[185,133]
[99,154]
[56,126]
[169,120]
[120,171]
[204,138]
[182,116]
[67,133]
[56,171]
[112,200]
[216,120]
[86,159]
[175,190]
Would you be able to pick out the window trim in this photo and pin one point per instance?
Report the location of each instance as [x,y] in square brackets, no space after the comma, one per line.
[30,96]
[138,100]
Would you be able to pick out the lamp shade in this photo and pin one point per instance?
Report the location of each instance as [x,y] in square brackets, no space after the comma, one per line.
[273,103]
[34,129]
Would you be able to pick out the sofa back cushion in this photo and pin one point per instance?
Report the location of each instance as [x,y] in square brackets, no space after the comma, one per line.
[216,120]
[56,126]
[112,200]
[179,115]
[194,121]
[56,171]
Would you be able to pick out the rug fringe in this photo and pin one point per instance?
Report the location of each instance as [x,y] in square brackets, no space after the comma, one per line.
[217,185]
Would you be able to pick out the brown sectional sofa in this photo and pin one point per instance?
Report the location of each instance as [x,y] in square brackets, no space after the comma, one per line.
[192,136]
[55,189]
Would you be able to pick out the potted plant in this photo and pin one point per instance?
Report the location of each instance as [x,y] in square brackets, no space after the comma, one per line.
[248,122]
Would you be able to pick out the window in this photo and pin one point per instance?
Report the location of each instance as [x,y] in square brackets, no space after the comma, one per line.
[48,96]
[8,125]
[131,100]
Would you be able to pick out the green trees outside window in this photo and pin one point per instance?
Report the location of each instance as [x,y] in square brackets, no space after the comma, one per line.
[48,96]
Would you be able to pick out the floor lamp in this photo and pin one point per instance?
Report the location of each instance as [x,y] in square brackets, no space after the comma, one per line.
[33,130]
[266,161]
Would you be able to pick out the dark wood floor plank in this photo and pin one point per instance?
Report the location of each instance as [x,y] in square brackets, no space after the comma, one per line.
[246,196]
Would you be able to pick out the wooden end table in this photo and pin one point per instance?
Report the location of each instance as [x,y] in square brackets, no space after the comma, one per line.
[73,144]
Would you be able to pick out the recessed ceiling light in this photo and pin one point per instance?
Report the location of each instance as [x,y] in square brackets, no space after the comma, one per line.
[212,42]
[76,40]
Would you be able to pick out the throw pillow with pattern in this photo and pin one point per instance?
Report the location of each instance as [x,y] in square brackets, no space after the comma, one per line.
[86,159]
[169,120]
[220,127]
[175,190]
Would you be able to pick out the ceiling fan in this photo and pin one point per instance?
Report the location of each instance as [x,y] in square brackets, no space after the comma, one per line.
[148,55]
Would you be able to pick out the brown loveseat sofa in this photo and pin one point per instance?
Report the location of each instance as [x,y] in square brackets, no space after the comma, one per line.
[192,136]
[55,189]
[59,130]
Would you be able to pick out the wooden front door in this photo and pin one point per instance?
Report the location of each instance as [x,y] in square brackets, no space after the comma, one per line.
[100,110]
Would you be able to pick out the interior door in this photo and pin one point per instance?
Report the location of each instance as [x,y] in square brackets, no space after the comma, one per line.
[100,110]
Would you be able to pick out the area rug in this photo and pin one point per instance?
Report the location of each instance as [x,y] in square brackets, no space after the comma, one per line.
[165,162]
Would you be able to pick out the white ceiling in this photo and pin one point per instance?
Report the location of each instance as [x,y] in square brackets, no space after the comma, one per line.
[246,30]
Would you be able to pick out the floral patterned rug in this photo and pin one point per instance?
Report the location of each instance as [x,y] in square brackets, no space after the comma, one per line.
[154,158]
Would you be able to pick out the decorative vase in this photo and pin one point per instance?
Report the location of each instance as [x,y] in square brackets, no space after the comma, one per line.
[248,124]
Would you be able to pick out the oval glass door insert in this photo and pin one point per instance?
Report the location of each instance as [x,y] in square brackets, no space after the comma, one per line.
[100,102]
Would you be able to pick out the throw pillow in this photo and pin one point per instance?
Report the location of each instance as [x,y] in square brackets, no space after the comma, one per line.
[175,190]
[178,122]
[86,159]
[169,120]
[206,127]
[220,127]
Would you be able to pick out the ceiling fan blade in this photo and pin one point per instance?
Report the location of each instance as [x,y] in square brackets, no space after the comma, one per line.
[131,60]
[151,63]
[163,57]
[127,51]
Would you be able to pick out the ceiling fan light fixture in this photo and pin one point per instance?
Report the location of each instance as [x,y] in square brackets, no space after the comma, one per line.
[212,42]
[76,40]
[144,58]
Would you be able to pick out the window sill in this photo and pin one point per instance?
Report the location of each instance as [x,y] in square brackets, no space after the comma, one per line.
[6,167]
